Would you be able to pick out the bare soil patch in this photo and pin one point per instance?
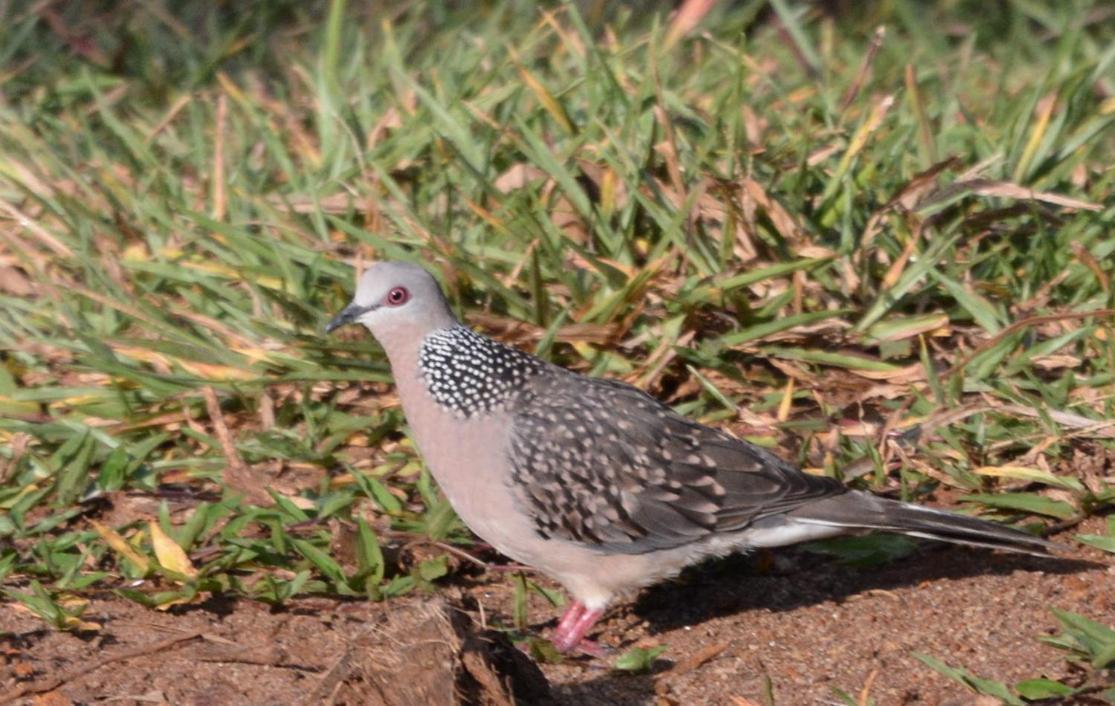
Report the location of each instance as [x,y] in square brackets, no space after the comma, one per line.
[800,622]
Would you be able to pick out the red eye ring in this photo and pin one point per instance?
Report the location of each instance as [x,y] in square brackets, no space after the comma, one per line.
[397,296]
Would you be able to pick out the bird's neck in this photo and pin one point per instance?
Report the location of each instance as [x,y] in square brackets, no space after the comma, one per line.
[472,375]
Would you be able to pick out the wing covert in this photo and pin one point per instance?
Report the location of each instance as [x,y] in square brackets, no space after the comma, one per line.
[601,462]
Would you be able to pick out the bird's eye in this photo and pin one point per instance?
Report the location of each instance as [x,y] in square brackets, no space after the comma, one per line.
[398,296]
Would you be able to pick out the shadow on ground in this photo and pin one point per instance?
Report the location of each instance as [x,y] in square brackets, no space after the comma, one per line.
[798,579]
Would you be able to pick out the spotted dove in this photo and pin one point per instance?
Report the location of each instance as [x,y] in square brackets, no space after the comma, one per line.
[592,481]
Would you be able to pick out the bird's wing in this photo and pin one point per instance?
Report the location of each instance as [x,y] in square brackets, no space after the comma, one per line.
[601,462]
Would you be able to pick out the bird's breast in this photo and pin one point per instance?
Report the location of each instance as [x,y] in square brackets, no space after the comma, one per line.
[469,460]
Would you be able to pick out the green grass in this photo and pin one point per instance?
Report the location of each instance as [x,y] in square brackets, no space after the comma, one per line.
[1090,644]
[899,258]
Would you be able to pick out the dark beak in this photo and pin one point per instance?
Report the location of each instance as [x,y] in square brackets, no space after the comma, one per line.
[350,313]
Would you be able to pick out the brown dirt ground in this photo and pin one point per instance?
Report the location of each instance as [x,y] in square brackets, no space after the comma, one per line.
[805,623]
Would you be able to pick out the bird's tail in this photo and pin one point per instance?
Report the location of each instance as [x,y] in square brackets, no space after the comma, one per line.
[862,511]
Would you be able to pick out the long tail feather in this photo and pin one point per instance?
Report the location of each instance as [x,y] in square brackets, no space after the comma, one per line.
[863,511]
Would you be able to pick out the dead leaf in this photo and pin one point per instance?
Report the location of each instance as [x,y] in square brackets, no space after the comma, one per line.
[910,373]
[1007,190]
[169,554]
[120,545]
[517,176]
[14,281]
[51,698]
[783,222]
[686,19]
[1054,362]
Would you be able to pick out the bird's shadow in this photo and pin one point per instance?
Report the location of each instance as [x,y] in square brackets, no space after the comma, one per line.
[738,584]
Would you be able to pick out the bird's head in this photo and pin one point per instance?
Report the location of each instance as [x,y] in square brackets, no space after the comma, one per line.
[396,299]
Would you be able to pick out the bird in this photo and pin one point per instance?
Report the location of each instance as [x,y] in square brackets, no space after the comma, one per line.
[592,481]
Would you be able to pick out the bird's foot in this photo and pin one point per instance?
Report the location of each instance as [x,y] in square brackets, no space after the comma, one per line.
[572,628]
[592,648]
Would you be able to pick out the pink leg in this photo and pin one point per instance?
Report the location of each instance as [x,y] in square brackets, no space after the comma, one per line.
[569,618]
[574,625]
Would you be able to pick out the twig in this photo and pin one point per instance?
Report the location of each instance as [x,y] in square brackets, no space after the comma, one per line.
[865,694]
[333,677]
[696,660]
[1063,525]
[53,683]
[455,551]
[864,69]
[236,472]
[268,657]
[1018,326]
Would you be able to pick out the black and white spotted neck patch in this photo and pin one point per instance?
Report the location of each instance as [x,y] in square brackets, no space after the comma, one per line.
[472,374]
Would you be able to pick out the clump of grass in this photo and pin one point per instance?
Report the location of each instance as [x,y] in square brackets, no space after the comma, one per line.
[890,247]
[1091,651]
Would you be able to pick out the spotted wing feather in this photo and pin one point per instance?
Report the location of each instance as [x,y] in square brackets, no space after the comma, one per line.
[601,462]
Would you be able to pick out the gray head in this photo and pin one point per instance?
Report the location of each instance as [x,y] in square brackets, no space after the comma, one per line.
[397,302]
